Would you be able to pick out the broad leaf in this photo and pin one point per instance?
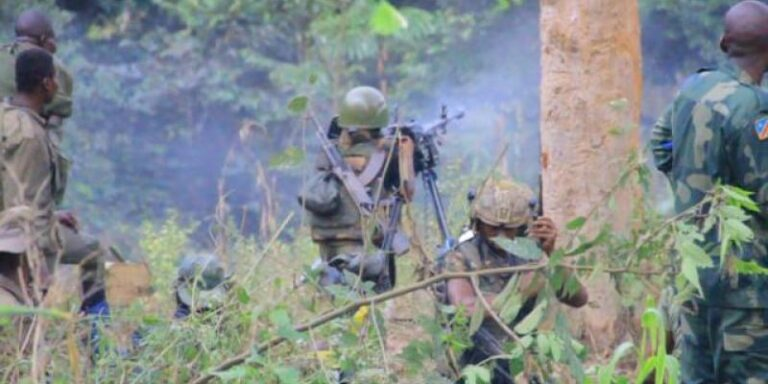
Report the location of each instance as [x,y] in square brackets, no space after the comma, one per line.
[386,20]
[530,322]
[475,374]
[298,104]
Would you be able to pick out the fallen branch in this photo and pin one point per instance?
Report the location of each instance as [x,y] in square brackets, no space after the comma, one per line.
[352,307]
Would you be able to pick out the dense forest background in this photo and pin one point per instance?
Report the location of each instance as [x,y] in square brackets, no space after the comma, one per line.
[181,102]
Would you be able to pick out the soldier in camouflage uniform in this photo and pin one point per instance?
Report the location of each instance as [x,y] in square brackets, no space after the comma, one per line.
[35,30]
[201,286]
[502,220]
[715,131]
[383,165]
[32,184]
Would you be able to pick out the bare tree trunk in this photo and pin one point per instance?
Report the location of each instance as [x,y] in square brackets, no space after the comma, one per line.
[590,108]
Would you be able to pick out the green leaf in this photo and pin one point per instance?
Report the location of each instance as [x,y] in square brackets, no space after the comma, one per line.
[475,374]
[696,254]
[287,375]
[242,295]
[607,374]
[737,230]
[288,158]
[386,20]
[530,322]
[523,247]
[576,223]
[691,273]
[672,366]
[751,267]
[280,318]
[20,310]
[740,197]
[477,320]
[239,372]
[298,104]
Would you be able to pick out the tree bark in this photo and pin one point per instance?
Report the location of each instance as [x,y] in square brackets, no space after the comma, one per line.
[591,95]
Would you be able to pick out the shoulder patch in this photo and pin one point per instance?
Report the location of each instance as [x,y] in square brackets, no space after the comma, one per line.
[761,128]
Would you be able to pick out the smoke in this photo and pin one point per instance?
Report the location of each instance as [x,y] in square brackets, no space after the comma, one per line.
[160,129]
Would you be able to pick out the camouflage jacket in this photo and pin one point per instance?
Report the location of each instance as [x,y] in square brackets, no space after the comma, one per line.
[477,253]
[30,174]
[346,223]
[62,102]
[715,131]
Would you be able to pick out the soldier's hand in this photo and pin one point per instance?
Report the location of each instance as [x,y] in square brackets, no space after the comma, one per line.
[545,231]
[68,219]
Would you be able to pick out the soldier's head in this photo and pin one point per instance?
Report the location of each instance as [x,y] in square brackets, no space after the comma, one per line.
[35,27]
[745,37]
[36,75]
[202,283]
[363,108]
[502,208]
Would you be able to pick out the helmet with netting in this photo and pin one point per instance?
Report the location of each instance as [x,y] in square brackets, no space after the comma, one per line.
[503,203]
[202,282]
[363,107]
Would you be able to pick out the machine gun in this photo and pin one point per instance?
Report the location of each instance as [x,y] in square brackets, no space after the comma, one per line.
[426,138]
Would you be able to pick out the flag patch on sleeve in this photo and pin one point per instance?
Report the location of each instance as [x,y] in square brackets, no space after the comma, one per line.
[761,128]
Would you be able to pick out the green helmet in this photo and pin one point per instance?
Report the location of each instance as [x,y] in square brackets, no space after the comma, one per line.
[202,282]
[503,203]
[363,107]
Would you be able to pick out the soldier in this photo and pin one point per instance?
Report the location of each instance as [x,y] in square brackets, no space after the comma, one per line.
[31,182]
[201,286]
[714,132]
[385,166]
[501,213]
[35,30]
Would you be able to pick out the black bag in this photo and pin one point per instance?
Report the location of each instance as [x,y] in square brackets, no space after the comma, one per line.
[322,194]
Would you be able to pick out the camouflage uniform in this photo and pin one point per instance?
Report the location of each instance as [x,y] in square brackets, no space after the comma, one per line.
[32,178]
[201,286]
[60,106]
[477,253]
[343,233]
[714,132]
[499,204]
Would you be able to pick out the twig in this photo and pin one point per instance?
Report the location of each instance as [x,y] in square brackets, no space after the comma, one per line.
[381,340]
[492,313]
[241,358]
[349,308]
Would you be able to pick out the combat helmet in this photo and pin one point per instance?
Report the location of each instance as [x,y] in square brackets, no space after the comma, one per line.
[503,203]
[363,107]
[202,282]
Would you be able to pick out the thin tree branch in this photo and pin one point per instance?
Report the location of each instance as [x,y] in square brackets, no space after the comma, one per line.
[351,307]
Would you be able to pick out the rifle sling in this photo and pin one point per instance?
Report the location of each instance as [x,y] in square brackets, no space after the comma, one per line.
[373,168]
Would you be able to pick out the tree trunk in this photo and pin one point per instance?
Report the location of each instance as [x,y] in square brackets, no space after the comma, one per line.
[590,109]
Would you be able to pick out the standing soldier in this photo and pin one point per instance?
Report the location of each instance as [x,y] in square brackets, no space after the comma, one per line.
[35,30]
[501,213]
[384,166]
[31,181]
[714,132]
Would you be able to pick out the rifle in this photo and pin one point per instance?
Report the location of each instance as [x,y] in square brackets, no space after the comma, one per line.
[427,140]
[344,172]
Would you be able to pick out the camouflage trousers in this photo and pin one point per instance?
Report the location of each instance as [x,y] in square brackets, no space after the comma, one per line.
[723,345]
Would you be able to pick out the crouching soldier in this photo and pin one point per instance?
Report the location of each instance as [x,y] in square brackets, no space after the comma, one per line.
[201,286]
[502,212]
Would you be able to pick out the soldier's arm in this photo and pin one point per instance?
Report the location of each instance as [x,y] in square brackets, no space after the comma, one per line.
[460,291]
[661,142]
